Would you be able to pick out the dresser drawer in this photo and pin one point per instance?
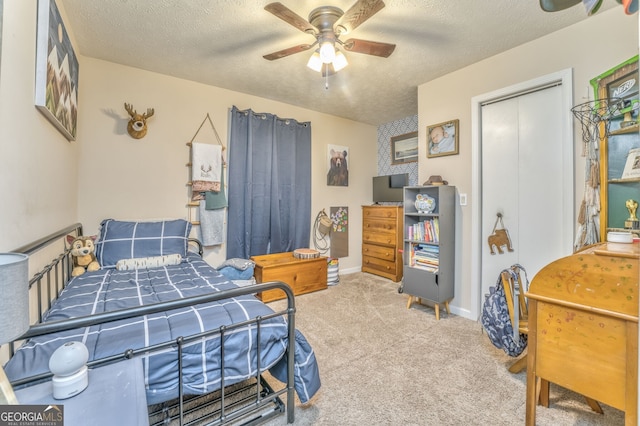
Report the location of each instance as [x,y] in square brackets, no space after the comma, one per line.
[380,230]
[379,266]
[384,238]
[381,212]
[385,225]
[379,252]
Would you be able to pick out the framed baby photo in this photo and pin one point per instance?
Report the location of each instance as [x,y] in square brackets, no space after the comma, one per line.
[442,139]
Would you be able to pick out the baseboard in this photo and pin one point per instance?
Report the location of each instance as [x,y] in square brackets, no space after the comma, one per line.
[464,313]
[349,271]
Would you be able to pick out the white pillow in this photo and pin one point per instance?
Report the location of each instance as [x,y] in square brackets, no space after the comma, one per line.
[148,262]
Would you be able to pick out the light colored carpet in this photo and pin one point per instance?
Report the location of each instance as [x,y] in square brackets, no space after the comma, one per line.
[383,364]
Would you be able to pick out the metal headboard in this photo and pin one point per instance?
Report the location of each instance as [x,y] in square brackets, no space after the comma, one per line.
[57,272]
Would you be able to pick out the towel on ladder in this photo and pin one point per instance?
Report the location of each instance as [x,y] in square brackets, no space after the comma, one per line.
[216,200]
[211,225]
[206,169]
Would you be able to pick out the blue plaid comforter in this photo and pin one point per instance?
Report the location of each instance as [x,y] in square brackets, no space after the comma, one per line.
[109,289]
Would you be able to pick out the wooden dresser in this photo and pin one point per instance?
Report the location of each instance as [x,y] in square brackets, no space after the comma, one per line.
[583,328]
[382,240]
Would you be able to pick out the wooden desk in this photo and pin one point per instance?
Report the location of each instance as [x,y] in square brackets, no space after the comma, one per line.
[583,327]
[302,275]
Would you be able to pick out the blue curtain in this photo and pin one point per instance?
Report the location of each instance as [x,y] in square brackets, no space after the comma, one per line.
[269,187]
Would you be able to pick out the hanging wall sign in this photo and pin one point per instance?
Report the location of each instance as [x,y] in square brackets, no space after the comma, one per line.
[500,237]
[339,231]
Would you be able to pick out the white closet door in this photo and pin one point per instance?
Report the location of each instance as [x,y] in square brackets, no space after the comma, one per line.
[522,160]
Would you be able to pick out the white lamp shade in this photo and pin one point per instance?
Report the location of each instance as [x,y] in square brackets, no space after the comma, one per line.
[327,52]
[315,63]
[340,61]
[14,296]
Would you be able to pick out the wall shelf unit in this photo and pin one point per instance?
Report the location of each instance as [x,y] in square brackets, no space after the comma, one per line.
[429,246]
[621,82]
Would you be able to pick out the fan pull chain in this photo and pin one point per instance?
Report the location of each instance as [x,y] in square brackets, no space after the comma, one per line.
[326,79]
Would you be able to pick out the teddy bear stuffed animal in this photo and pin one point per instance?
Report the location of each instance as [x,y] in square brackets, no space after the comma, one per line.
[83,254]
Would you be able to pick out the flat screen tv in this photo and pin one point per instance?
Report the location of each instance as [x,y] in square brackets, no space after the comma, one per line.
[388,188]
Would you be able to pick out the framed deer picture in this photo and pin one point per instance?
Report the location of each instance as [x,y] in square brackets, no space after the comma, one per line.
[56,71]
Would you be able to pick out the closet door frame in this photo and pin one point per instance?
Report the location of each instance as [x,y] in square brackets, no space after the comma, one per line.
[565,79]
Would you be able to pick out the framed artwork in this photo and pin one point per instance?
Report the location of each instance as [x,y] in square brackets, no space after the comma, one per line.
[442,139]
[404,148]
[622,83]
[632,165]
[56,71]
[338,174]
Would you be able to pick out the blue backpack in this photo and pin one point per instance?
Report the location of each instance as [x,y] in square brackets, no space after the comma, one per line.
[495,315]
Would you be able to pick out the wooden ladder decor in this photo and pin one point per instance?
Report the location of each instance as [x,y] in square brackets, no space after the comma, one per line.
[195,204]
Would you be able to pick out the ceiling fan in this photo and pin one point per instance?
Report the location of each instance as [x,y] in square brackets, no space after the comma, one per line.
[327,24]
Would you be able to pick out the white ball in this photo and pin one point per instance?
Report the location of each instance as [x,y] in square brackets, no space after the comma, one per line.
[68,359]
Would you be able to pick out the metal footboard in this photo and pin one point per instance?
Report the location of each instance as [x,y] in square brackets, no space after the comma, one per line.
[57,273]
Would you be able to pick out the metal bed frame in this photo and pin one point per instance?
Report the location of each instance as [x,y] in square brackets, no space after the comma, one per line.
[252,402]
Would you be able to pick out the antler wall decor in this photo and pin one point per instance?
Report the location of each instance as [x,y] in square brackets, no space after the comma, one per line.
[137,126]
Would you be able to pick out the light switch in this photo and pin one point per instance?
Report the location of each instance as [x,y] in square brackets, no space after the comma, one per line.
[463,199]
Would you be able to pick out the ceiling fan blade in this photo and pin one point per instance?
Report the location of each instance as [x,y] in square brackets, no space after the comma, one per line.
[286,52]
[290,17]
[357,14]
[369,47]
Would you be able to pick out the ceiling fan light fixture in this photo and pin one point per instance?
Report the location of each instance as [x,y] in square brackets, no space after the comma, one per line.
[340,61]
[327,24]
[327,52]
[315,63]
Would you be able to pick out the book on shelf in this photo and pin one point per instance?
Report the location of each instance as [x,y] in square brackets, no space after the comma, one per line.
[430,268]
[425,256]
[428,230]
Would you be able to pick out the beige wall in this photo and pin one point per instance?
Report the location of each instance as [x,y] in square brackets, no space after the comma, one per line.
[126,178]
[37,164]
[49,182]
[585,47]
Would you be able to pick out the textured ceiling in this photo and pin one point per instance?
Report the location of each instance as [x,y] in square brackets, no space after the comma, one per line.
[221,43]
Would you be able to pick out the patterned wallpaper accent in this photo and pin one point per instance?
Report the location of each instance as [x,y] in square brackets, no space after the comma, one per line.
[385,132]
